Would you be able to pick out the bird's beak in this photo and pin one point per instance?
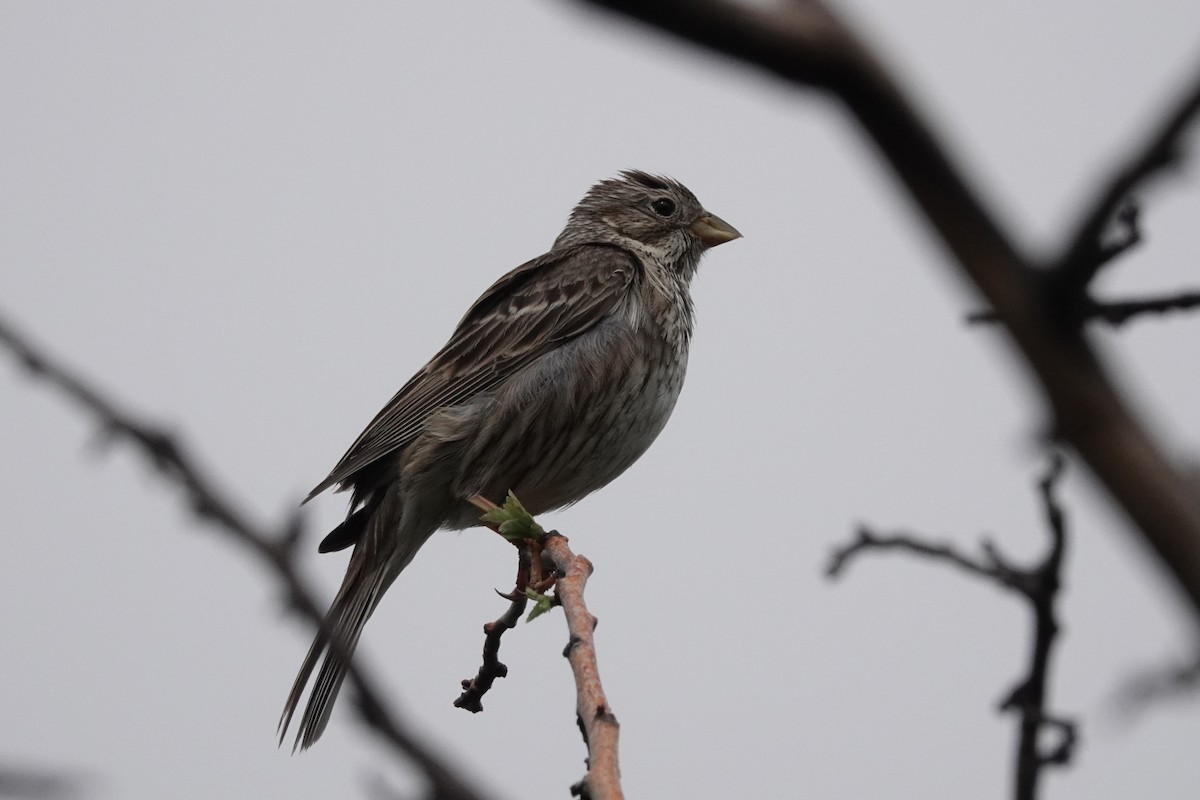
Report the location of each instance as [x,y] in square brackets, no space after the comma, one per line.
[712,230]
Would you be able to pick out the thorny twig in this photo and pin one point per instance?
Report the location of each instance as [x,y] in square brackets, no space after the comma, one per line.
[1039,585]
[275,548]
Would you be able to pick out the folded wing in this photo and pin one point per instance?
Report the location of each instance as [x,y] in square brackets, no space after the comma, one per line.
[524,315]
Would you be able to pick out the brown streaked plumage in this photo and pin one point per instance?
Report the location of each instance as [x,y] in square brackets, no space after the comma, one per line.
[554,382]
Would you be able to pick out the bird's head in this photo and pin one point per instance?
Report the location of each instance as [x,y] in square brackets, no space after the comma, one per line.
[656,217]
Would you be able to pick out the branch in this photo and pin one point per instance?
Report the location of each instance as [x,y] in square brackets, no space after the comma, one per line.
[1082,256]
[1118,312]
[530,578]
[1028,698]
[808,45]
[569,576]
[492,667]
[1115,312]
[596,719]
[1077,302]
[1128,224]
[1083,307]
[1039,585]
[991,567]
[276,549]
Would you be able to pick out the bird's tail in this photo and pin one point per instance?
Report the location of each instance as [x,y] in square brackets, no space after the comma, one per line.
[367,577]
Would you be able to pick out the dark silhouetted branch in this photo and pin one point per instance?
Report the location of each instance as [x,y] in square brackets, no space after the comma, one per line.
[275,548]
[1126,235]
[1084,252]
[991,566]
[1028,698]
[1117,312]
[1080,306]
[1039,585]
[807,44]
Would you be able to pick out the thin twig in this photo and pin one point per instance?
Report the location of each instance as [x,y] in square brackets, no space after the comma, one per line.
[168,455]
[1118,312]
[492,667]
[1028,698]
[1078,263]
[1039,585]
[1127,234]
[530,577]
[991,566]
[1115,312]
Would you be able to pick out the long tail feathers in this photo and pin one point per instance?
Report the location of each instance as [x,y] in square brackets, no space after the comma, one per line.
[368,576]
[347,616]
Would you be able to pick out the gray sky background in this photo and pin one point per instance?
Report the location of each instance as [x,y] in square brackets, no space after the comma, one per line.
[255,220]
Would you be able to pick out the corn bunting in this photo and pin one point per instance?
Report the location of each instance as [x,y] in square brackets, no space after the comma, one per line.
[556,380]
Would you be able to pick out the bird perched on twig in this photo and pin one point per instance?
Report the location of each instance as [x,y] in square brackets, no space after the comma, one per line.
[556,380]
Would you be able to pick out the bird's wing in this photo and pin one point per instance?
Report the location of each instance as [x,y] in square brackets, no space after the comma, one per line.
[522,316]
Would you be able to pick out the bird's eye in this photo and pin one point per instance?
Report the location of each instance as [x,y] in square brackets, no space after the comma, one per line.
[663,206]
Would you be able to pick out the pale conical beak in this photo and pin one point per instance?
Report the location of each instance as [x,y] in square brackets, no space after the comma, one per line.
[713,230]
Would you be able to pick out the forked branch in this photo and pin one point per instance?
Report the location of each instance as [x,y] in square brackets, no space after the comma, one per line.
[1039,585]
[569,575]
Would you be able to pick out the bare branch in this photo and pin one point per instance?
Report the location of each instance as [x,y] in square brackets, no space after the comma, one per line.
[596,719]
[1039,585]
[1083,254]
[1083,307]
[568,574]
[1028,698]
[1080,306]
[492,668]
[992,566]
[1128,234]
[275,548]
[1116,312]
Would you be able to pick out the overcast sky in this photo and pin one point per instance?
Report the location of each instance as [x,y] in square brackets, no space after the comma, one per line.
[254,221]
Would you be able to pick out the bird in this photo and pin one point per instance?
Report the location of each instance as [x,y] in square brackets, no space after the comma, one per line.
[554,382]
